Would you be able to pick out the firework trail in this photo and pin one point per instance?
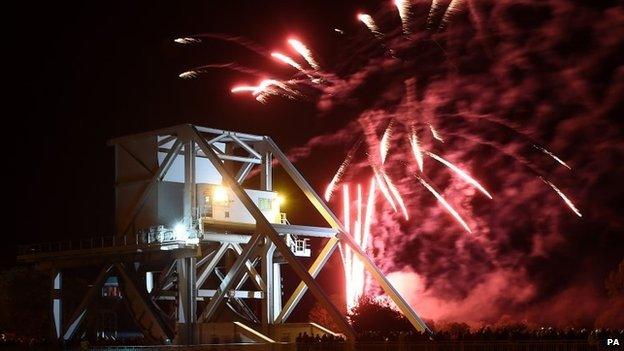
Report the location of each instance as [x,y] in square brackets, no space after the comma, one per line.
[304,52]
[195,72]
[453,8]
[384,145]
[266,88]
[396,194]
[369,22]
[435,133]
[341,170]
[381,182]
[403,6]
[433,11]
[416,150]
[244,42]
[359,228]
[462,174]
[285,59]
[244,88]
[187,40]
[561,162]
[370,214]
[446,205]
[563,196]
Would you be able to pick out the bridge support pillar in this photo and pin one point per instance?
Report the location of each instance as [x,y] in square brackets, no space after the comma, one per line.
[187,302]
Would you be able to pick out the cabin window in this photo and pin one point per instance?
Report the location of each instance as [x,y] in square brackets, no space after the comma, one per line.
[264,204]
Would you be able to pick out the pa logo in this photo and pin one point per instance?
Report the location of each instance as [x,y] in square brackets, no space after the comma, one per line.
[613,342]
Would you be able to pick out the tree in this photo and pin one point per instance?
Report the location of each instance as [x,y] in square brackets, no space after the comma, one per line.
[375,315]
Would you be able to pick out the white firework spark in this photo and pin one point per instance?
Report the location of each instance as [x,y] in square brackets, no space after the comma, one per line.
[446,205]
[461,173]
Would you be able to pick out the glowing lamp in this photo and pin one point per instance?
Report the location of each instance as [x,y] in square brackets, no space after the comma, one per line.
[279,200]
[180,232]
[220,194]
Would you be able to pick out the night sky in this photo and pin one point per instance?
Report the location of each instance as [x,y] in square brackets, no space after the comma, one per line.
[82,74]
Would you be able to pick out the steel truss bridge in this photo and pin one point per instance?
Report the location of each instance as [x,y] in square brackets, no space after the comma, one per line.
[203,285]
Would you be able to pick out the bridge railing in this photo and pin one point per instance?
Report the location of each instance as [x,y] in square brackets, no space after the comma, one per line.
[96,242]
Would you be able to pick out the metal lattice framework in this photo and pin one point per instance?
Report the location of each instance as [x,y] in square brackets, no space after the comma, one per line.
[190,269]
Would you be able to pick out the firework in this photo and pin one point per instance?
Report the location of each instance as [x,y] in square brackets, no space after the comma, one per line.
[384,145]
[560,161]
[406,123]
[359,228]
[266,88]
[403,6]
[446,205]
[244,88]
[370,213]
[188,74]
[383,187]
[435,133]
[287,60]
[565,199]
[187,40]
[433,11]
[304,52]
[369,22]
[462,174]
[396,195]
[416,150]
[453,8]
[340,172]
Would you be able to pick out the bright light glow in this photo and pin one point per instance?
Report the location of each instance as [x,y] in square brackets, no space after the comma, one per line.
[304,52]
[285,59]
[180,232]
[446,205]
[463,175]
[220,194]
[280,200]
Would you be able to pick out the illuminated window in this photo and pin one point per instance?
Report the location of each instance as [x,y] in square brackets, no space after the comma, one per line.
[207,206]
[264,204]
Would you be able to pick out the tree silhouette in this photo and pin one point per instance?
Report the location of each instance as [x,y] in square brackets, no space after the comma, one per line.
[376,315]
